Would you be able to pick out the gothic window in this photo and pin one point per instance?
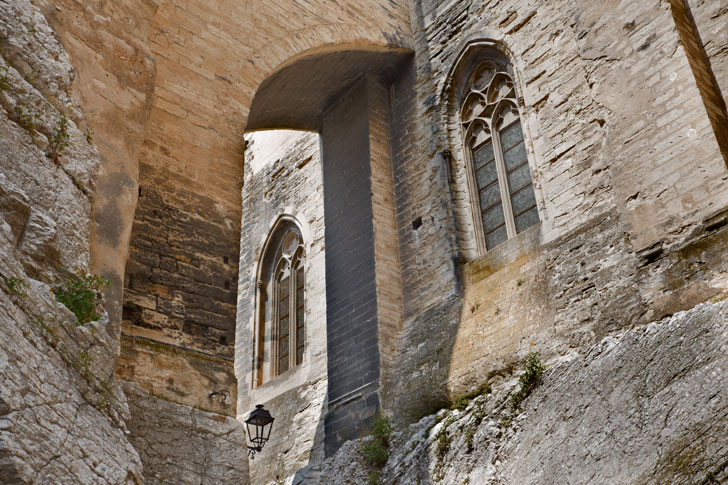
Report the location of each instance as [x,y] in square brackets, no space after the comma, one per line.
[289,320]
[280,302]
[504,203]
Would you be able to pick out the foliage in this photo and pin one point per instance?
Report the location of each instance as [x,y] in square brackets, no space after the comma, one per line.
[443,439]
[59,137]
[16,287]
[4,78]
[376,450]
[81,293]
[469,440]
[373,478]
[532,371]
[462,402]
[26,115]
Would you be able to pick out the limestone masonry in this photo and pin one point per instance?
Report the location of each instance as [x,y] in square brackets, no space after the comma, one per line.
[499,226]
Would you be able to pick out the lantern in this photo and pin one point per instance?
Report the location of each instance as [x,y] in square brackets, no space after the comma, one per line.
[259,424]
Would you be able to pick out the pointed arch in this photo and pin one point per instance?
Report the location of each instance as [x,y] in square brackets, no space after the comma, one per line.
[496,197]
[279,302]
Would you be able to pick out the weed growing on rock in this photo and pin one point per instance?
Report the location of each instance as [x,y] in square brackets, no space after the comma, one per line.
[469,440]
[59,138]
[462,402]
[443,439]
[532,372]
[81,293]
[105,395]
[16,287]
[4,78]
[376,450]
[30,25]
[373,478]
[81,361]
[26,116]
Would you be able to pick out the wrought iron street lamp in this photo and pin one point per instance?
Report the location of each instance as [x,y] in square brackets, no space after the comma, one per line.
[259,424]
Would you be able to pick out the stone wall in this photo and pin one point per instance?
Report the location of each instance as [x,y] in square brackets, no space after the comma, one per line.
[283,177]
[629,171]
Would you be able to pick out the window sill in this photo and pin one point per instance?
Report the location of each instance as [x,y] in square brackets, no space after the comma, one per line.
[504,254]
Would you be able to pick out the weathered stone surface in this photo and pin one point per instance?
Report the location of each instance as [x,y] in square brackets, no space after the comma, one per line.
[283,177]
[62,414]
[183,445]
[649,405]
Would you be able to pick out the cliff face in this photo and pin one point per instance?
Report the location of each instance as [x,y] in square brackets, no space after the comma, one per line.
[649,405]
[63,416]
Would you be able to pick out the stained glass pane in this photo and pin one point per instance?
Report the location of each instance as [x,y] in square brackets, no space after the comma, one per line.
[490,196]
[283,364]
[493,218]
[283,327]
[496,237]
[511,135]
[519,177]
[523,200]
[299,355]
[515,156]
[486,175]
[483,155]
[284,287]
[527,219]
[299,336]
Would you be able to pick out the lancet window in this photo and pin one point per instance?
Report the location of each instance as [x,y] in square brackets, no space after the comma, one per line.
[280,315]
[504,203]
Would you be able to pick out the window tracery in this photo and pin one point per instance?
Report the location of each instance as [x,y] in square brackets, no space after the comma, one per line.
[504,202]
[280,325]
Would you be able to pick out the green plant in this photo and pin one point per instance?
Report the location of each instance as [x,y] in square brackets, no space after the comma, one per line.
[461,402]
[89,133]
[374,477]
[443,439]
[59,137]
[105,395]
[16,287]
[47,330]
[30,25]
[505,421]
[81,293]
[26,116]
[469,440]
[81,361]
[376,449]
[4,78]
[533,369]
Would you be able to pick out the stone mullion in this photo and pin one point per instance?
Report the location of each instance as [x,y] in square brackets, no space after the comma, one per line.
[503,183]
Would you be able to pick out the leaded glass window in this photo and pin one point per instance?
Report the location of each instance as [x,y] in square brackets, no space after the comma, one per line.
[504,203]
[288,308]
[280,333]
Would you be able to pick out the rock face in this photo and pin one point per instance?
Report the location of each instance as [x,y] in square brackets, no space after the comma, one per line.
[182,445]
[649,405]
[63,416]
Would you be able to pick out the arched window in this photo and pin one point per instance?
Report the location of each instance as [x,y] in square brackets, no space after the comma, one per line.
[503,199]
[288,306]
[280,321]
